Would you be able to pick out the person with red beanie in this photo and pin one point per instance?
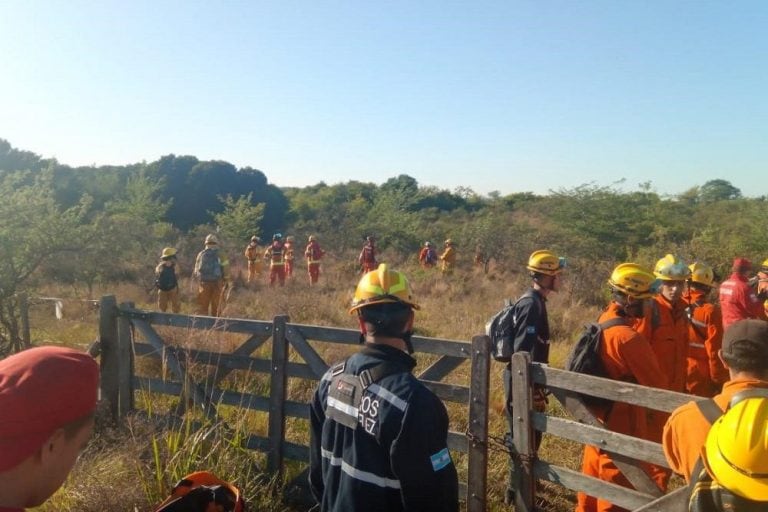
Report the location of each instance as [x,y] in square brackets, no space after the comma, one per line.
[47,398]
[738,300]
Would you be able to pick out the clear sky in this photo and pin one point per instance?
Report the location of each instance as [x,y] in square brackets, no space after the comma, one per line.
[510,95]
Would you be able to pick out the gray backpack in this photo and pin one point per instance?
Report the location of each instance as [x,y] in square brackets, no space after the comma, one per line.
[210,265]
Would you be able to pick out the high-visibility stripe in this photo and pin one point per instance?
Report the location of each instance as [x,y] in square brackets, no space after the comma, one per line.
[697,345]
[341,406]
[388,396]
[359,474]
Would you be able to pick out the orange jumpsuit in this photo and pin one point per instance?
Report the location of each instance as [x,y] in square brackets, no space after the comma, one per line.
[449,260]
[276,256]
[367,257]
[666,327]
[686,430]
[288,259]
[254,261]
[627,356]
[314,254]
[706,373]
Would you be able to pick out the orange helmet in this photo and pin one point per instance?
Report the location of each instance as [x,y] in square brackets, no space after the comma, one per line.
[220,494]
[381,286]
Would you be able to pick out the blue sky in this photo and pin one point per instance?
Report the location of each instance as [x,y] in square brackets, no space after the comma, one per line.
[510,96]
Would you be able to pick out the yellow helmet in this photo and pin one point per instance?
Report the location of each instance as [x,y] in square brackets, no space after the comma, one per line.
[632,279]
[211,240]
[545,262]
[449,242]
[168,252]
[764,266]
[671,268]
[289,238]
[702,273]
[311,238]
[737,449]
[381,286]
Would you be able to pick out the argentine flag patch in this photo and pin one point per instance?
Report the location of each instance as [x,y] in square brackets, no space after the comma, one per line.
[440,459]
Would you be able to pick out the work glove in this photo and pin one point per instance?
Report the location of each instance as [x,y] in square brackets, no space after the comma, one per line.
[540,399]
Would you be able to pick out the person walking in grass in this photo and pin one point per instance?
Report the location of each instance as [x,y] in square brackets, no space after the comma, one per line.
[167,282]
[253,256]
[378,436]
[313,253]
[211,271]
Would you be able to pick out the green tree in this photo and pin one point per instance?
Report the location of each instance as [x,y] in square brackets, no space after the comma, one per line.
[718,190]
[240,219]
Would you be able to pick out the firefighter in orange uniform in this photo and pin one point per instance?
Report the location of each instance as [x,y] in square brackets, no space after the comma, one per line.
[448,258]
[367,257]
[275,254]
[288,256]
[665,325]
[627,356]
[762,285]
[314,254]
[253,255]
[706,373]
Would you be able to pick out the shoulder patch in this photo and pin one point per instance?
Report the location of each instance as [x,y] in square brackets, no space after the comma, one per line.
[440,460]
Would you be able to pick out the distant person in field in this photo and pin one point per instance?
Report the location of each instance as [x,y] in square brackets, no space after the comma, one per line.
[428,255]
[313,253]
[706,373]
[47,403]
[531,334]
[167,282]
[289,256]
[738,300]
[745,355]
[253,255]
[367,256]
[626,356]
[448,257]
[212,273]
[378,436]
[275,254]
[762,285]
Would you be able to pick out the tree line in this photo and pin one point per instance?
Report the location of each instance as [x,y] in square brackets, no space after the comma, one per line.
[87,225]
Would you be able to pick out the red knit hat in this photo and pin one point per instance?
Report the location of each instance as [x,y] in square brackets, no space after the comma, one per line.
[42,389]
[741,265]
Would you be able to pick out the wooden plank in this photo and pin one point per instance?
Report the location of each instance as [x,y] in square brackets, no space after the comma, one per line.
[236,325]
[652,398]
[278,391]
[630,468]
[449,392]
[171,354]
[110,364]
[438,370]
[477,431]
[613,442]
[616,494]
[246,349]
[676,500]
[125,366]
[313,359]
[299,370]
[522,432]
[457,441]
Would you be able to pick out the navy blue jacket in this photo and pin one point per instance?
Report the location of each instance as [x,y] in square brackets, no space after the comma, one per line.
[397,458]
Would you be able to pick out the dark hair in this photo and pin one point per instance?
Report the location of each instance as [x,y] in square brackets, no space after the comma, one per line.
[387,319]
[747,356]
[699,286]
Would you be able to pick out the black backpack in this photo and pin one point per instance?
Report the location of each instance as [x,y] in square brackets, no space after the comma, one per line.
[166,278]
[585,356]
[501,328]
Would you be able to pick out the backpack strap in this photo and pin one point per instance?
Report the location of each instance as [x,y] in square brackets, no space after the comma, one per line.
[711,412]
[696,324]
[748,393]
[378,372]
[613,322]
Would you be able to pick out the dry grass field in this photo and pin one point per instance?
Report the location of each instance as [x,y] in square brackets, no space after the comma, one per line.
[131,467]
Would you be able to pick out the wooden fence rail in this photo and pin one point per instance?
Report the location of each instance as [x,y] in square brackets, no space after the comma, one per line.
[626,451]
[127,333]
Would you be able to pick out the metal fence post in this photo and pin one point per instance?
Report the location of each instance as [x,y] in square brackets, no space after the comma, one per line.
[277,396]
[477,431]
[522,431]
[24,320]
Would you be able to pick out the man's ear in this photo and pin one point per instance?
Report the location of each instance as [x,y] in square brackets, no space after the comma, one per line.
[49,449]
[409,323]
[720,356]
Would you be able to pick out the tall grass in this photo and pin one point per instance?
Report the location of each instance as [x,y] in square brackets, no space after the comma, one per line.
[133,467]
